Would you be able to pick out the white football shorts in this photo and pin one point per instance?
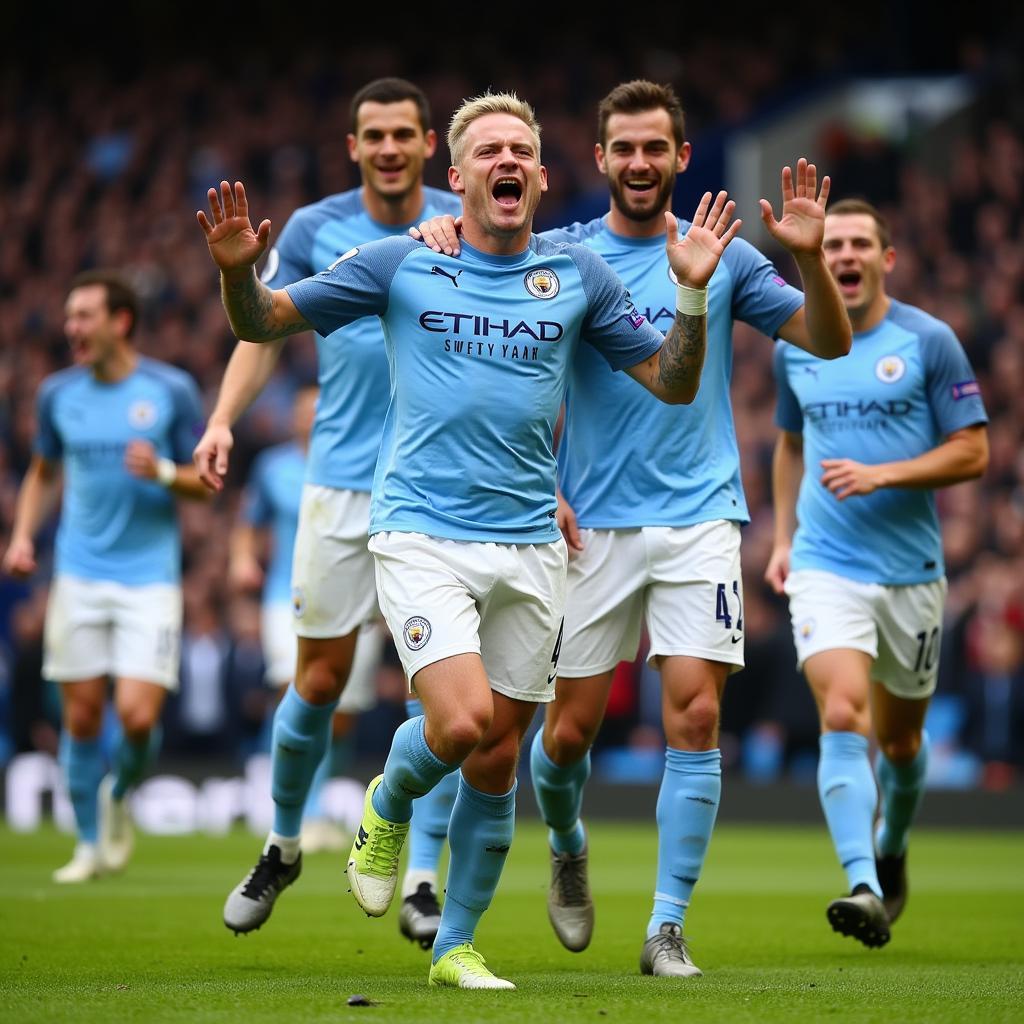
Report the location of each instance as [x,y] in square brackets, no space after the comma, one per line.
[501,601]
[684,581]
[900,627]
[99,627]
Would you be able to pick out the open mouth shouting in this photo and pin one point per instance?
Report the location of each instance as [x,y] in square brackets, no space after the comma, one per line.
[507,192]
[849,281]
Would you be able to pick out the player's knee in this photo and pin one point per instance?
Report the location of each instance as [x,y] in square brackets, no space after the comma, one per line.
[463,731]
[842,715]
[83,720]
[137,721]
[570,739]
[900,749]
[320,682]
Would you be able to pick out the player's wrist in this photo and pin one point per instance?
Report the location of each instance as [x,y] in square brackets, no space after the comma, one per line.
[166,472]
[691,301]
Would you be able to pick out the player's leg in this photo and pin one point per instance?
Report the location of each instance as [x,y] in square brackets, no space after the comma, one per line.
[420,913]
[906,673]
[81,761]
[77,654]
[604,587]
[840,682]
[319,833]
[687,804]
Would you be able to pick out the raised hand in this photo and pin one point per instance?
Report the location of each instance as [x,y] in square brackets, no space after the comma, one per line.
[694,258]
[802,227]
[233,243]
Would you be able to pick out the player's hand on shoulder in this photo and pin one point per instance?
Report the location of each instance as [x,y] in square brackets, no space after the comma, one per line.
[778,568]
[212,454]
[20,558]
[802,227]
[440,233]
[695,257]
[140,459]
[233,243]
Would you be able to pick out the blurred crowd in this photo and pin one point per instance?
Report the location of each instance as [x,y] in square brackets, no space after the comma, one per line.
[102,167]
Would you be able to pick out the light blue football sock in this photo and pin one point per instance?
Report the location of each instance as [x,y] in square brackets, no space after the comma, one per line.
[335,763]
[480,835]
[412,770]
[82,761]
[300,737]
[429,827]
[559,793]
[132,760]
[902,786]
[691,787]
[848,795]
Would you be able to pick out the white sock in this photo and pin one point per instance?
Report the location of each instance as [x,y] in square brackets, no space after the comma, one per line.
[414,879]
[288,845]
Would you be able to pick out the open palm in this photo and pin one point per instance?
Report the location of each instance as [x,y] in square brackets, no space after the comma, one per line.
[802,226]
[694,257]
[233,243]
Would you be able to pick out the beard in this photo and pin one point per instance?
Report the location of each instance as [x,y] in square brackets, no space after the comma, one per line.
[622,198]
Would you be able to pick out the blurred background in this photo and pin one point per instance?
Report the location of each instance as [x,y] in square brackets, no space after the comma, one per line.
[114,122]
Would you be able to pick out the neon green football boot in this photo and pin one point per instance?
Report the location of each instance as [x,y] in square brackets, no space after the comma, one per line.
[464,967]
[373,861]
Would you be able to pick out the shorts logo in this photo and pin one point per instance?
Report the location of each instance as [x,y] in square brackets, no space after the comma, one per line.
[542,283]
[344,256]
[889,369]
[272,267]
[806,629]
[142,414]
[416,632]
[298,602]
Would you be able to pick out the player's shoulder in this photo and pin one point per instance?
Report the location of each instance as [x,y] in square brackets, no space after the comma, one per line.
[917,321]
[389,250]
[578,232]
[340,206]
[586,260]
[70,376]
[177,381]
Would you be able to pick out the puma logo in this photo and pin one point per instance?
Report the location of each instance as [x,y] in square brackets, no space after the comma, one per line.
[444,273]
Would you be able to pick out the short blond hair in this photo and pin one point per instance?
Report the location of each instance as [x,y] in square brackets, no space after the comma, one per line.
[489,103]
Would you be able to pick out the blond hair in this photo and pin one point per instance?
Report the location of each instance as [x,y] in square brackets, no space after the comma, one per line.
[489,103]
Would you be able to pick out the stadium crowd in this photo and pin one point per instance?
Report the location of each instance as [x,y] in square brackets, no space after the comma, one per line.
[94,174]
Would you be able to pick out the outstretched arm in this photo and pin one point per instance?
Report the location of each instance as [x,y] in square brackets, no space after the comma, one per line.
[821,326]
[673,372]
[787,472]
[255,312]
[962,456]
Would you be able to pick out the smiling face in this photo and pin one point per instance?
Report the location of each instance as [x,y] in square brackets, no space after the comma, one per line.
[501,180]
[390,147]
[859,264]
[641,159]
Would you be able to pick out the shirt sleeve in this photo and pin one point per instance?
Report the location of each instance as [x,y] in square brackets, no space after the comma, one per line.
[953,391]
[355,285]
[788,414]
[613,325]
[188,419]
[48,442]
[291,258]
[760,296]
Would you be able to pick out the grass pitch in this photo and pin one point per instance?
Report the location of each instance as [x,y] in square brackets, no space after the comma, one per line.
[150,945]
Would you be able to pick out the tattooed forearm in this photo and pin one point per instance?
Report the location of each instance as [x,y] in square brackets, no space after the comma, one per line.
[249,306]
[682,355]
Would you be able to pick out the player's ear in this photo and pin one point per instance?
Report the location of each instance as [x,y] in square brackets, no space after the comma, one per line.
[353,147]
[888,260]
[599,158]
[430,147]
[455,182]
[543,178]
[683,158]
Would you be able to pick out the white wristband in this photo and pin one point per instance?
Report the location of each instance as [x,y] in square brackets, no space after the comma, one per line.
[691,301]
[166,472]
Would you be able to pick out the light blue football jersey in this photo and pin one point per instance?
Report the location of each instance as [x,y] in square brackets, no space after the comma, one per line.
[114,526]
[905,386]
[480,349]
[272,498]
[627,459]
[354,384]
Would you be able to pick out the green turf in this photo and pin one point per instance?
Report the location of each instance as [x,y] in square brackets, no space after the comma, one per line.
[150,945]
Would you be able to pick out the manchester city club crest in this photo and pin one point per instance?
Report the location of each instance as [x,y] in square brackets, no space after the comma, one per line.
[416,632]
[807,628]
[142,414]
[889,369]
[298,602]
[542,283]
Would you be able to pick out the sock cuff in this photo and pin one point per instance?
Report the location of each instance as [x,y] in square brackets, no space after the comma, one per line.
[693,762]
[844,744]
[413,707]
[539,760]
[491,804]
[907,772]
[422,757]
[304,714]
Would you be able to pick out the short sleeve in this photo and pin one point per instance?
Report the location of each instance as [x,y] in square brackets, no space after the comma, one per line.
[760,296]
[48,442]
[953,391]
